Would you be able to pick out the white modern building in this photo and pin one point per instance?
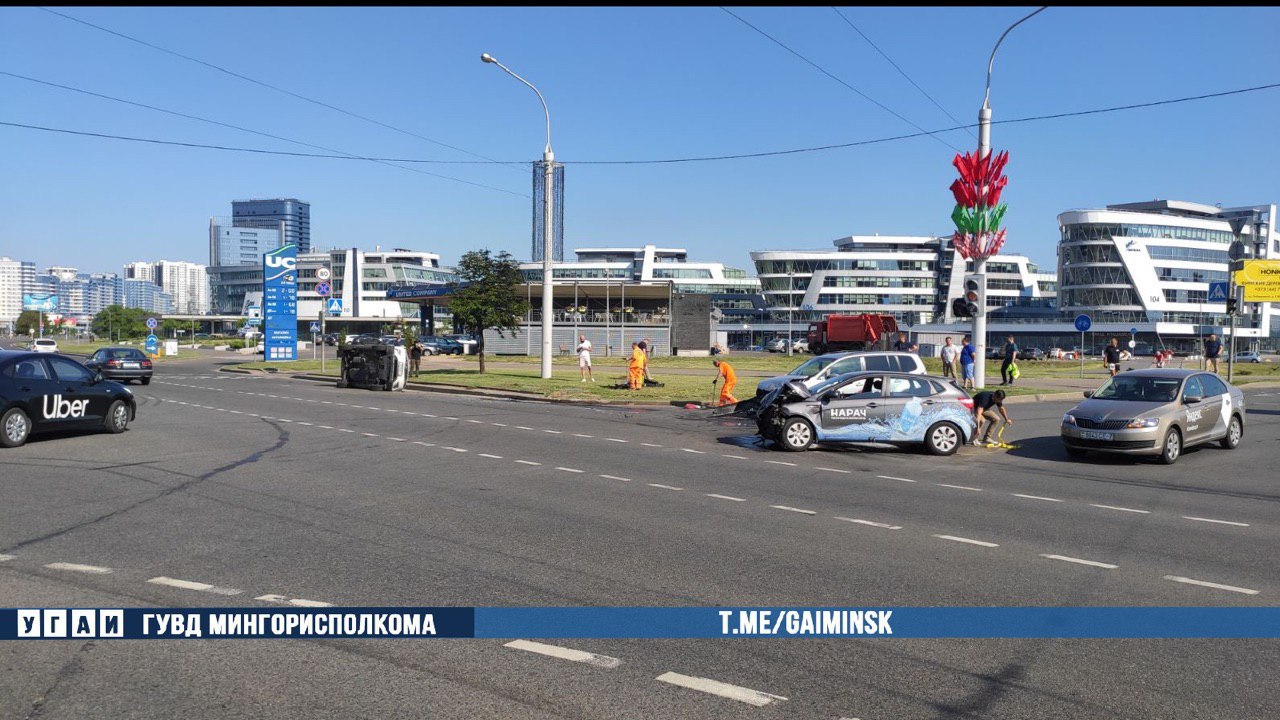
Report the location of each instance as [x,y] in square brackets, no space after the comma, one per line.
[1148,265]
[186,283]
[647,264]
[16,278]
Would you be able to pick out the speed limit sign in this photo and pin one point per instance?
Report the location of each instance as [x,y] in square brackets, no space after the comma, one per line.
[322,273]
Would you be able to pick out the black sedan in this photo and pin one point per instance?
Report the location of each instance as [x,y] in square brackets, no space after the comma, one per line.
[42,392]
[121,363]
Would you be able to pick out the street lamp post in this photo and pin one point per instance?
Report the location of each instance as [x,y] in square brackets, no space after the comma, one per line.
[548,161]
[791,301]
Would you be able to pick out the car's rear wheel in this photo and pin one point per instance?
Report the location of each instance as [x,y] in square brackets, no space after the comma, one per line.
[117,418]
[943,439]
[1171,447]
[1235,431]
[796,435]
[15,427]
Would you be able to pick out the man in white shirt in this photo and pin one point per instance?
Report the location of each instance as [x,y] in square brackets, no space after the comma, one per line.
[950,353]
[584,358]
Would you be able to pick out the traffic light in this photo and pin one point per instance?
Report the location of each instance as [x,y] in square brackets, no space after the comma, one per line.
[975,295]
[1232,306]
[960,308]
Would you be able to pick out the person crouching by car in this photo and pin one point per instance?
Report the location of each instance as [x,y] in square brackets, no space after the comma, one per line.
[988,409]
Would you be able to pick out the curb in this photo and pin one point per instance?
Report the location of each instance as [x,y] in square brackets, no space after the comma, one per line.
[489,392]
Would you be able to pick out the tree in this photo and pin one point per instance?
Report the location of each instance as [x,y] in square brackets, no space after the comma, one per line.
[489,297]
[28,323]
[117,321]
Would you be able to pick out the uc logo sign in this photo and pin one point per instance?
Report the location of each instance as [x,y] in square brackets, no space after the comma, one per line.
[275,261]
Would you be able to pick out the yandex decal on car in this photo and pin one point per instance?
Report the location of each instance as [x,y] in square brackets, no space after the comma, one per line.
[45,391]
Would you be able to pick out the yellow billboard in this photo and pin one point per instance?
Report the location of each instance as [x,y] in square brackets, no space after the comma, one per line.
[1260,280]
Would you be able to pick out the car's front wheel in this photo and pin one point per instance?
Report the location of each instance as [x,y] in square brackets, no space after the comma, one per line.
[1171,447]
[117,417]
[943,439]
[796,435]
[1235,431]
[15,427]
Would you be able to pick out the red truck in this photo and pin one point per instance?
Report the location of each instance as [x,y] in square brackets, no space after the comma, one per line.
[850,332]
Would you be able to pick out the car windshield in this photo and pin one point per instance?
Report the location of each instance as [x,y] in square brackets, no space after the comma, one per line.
[1140,389]
[827,384]
[811,367]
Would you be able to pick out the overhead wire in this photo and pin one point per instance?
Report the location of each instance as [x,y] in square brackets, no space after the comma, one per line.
[824,71]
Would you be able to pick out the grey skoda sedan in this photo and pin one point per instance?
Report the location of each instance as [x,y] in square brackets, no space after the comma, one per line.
[1155,412]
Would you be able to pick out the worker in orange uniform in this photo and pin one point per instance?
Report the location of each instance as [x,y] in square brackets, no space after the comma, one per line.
[730,380]
[635,367]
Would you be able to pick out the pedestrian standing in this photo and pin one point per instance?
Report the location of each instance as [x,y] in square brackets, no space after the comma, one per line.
[950,353]
[988,409]
[1212,350]
[725,370]
[635,367]
[1111,356]
[1010,356]
[584,358]
[966,362]
[415,357]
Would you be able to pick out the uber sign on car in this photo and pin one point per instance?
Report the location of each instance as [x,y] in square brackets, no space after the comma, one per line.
[41,392]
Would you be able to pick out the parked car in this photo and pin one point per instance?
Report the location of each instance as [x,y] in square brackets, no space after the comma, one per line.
[1247,357]
[1155,412]
[54,392]
[891,408]
[122,364]
[1057,353]
[818,369]
[44,345]
[1031,354]
[441,345]
[776,345]
[800,346]
[330,339]
[468,342]
[391,340]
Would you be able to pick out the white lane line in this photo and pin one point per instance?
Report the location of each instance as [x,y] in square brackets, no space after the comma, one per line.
[498,424]
[835,470]
[423,444]
[73,567]
[795,510]
[1217,586]
[571,470]
[455,449]
[890,477]
[495,457]
[736,457]
[959,487]
[615,477]
[1079,561]
[326,427]
[650,445]
[191,585]
[1210,520]
[476,422]
[780,462]
[886,526]
[966,540]
[616,440]
[715,687]
[345,430]
[427,415]
[395,439]
[296,602]
[696,452]
[726,497]
[1121,509]
[582,435]
[300,422]
[553,432]
[1035,497]
[528,462]
[565,653]
[6,558]
[664,487]
[447,417]
[522,427]
[370,434]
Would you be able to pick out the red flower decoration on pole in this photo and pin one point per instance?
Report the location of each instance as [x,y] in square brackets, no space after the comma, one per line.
[978,210]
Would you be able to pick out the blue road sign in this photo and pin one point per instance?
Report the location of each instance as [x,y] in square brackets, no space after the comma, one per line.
[151,324]
[280,304]
[315,327]
[323,289]
[1083,323]
[153,344]
[1217,292]
[334,306]
[1133,331]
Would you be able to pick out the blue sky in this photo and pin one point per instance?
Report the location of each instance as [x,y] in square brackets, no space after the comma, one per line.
[621,84]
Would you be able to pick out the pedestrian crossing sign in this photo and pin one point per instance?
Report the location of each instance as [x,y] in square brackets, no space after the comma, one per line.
[334,306]
[1217,292]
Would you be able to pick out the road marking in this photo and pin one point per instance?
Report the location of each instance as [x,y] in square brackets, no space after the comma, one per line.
[522,427]
[370,434]
[296,602]
[795,510]
[299,422]
[6,558]
[696,452]
[396,439]
[1092,563]
[726,497]
[345,430]
[1121,509]
[616,440]
[715,687]
[1035,497]
[581,435]
[498,424]
[476,422]
[966,540]
[427,415]
[423,444]
[572,470]
[872,524]
[890,477]
[326,427]
[190,585]
[737,457]
[553,432]
[836,470]
[780,462]
[455,449]
[495,457]
[528,462]
[664,487]
[1220,522]
[565,653]
[650,445]
[959,487]
[73,567]
[1203,583]
[446,417]
[615,477]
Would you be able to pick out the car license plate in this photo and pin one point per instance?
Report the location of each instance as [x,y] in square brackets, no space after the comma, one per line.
[1095,435]
[131,366]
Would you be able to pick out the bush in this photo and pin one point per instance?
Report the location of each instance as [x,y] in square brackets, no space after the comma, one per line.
[236,344]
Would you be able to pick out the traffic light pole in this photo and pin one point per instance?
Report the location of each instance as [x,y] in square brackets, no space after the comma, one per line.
[980,263]
[1231,346]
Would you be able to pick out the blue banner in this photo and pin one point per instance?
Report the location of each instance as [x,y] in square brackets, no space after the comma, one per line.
[641,622]
[280,304]
[41,302]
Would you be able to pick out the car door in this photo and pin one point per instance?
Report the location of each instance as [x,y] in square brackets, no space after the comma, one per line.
[81,400]
[36,387]
[905,401]
[1197,416]
[1218,404]
[854,411]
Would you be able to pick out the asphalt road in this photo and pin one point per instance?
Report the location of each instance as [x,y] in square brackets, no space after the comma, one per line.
[302,492]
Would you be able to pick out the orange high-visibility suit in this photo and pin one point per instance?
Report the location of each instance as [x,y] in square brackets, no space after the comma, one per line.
[635,368]
[730,380]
